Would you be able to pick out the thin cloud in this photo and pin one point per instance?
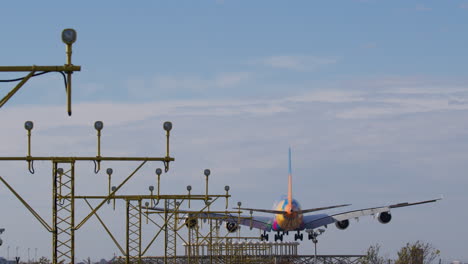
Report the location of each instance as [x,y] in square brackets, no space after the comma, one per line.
[179,84]
[369,45]
[328,96]
[421,7]
[198,83]
[298,63]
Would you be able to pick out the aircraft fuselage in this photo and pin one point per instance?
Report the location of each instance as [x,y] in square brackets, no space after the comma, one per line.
[291,220]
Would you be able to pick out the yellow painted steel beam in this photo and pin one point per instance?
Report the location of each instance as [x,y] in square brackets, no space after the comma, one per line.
[65,68]
[214,212]
[17,87]
[161,228]
[107,229]
[33,212]
[71,159]
[109,197]
[142,197]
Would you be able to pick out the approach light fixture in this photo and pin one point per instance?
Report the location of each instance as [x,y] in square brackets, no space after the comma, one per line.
[167,126]
[109,171]
[151,188]
[146,204]
[226,188]
[239,204]
[189,188]
[60,171]
[98,125]
[69,36]
[28,125]
[158,171]
[113,188]
[207,172]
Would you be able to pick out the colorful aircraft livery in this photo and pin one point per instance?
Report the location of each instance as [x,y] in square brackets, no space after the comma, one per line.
[290,220]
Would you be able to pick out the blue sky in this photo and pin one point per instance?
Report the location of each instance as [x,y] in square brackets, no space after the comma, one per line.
[371,95]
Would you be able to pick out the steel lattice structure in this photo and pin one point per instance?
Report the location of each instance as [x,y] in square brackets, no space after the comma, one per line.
[133,231]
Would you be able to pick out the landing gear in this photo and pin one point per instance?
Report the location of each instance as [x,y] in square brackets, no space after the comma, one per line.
[278,237]
[264,237]
[299,236]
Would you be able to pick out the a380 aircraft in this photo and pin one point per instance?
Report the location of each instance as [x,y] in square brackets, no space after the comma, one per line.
[288,216]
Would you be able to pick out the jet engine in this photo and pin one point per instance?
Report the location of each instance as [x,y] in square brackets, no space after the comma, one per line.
[342,225]
[231,227]
[384,217]
[191,222]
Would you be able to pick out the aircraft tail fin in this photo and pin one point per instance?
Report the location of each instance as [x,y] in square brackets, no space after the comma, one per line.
[290,179]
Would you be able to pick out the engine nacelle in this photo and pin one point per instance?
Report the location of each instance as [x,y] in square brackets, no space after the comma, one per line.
[232,227]
[384,217]
[342,225]
[191,222]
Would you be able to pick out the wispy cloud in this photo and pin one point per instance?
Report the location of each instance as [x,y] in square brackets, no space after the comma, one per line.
[369,45]
[198,83]
[464,6]
[328,96]
[179,84]
[421,7]
[298,63]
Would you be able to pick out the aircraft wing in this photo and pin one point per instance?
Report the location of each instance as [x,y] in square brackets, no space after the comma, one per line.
[259,222]
[318,220]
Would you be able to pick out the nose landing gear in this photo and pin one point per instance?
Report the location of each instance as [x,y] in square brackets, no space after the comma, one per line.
[264,237]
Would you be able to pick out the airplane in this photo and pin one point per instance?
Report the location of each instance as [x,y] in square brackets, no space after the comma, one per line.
[289,217]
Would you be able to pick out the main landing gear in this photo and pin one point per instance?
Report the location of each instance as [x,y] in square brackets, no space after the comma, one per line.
[264,237]
[298,236]
[279,237]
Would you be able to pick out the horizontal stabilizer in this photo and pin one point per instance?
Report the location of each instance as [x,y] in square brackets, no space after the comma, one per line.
[262,210]
[300,211]
[322,208]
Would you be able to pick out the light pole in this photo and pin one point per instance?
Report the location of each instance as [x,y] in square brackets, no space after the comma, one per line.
[313,236]
[1,231]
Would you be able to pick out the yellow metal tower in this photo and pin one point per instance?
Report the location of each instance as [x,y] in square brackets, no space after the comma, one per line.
[63,192]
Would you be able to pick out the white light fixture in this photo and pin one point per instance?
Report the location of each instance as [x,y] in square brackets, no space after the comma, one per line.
[29,125]
[69,36]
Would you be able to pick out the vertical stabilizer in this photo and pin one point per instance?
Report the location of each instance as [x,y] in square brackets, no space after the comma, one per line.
[290,180]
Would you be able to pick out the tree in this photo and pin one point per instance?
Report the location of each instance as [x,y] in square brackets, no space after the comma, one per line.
[373,256]
[417,253]
[44,260]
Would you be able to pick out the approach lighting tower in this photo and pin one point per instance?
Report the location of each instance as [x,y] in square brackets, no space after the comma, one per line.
[63,225]
[68,37]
